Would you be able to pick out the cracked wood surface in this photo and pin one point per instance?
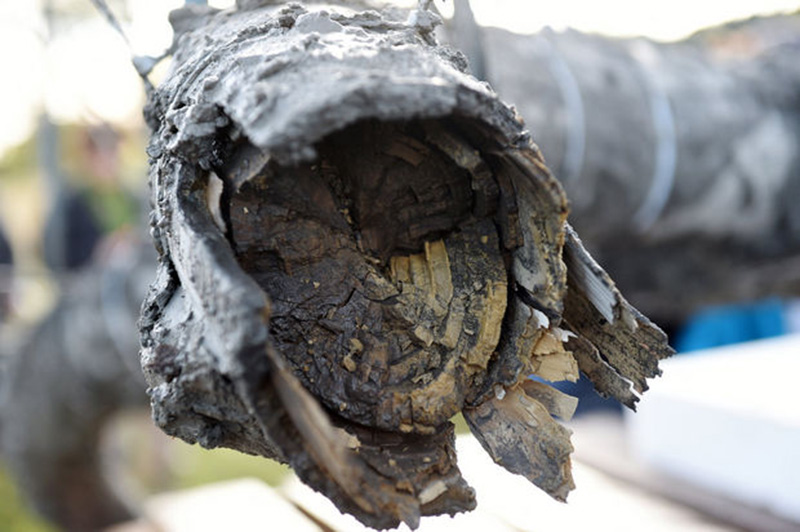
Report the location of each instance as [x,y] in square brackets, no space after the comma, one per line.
[358,241]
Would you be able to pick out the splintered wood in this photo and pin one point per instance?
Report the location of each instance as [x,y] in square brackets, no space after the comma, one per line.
[387,249]
[521,436]
[389,338]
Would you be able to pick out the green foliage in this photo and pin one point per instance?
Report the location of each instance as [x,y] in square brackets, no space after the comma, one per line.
[14,516]
[195,466]
[19,163]
[157,463]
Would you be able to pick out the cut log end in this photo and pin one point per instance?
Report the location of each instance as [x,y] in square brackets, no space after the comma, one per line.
[386,271]
[385,264]
[383,254]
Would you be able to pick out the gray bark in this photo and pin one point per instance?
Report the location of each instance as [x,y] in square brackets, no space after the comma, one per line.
[77,369]
[680,160]
[357,240]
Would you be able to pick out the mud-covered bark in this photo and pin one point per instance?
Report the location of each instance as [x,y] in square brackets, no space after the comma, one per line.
[358,240]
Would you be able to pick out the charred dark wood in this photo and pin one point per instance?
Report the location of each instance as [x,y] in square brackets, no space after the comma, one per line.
[357,241]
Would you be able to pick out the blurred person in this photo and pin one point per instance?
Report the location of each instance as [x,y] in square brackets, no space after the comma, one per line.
[6,263]
[112,203]
[99,204]
[71,233]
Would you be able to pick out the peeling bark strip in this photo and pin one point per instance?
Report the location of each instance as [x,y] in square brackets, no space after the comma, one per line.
[358,241]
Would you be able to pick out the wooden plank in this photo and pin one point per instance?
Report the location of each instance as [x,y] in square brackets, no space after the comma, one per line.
[599,502]
[245,505]
[600,442]
[321,509]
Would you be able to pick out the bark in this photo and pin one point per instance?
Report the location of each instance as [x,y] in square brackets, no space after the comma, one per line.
[680,160]
[357,241]
[57,393]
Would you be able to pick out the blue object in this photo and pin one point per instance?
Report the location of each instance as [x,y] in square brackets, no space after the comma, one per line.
[712,327]
[732,324]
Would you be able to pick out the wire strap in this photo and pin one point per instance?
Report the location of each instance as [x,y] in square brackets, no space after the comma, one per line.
[142,63]
[575,141]
[666,156]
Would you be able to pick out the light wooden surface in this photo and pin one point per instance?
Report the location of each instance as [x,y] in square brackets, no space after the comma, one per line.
[726,420]
[506,502]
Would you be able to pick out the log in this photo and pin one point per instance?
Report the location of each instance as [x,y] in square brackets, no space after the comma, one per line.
[357,241]
[680,160]
[57,393]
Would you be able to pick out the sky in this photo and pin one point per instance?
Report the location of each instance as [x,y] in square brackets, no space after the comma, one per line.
[82,73]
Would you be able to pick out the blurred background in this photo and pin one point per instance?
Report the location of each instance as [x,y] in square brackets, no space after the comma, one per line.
[73,187]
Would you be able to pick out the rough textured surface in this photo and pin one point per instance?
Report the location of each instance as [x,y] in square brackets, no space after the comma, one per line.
[357,241]
[515,429]
[378,315]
